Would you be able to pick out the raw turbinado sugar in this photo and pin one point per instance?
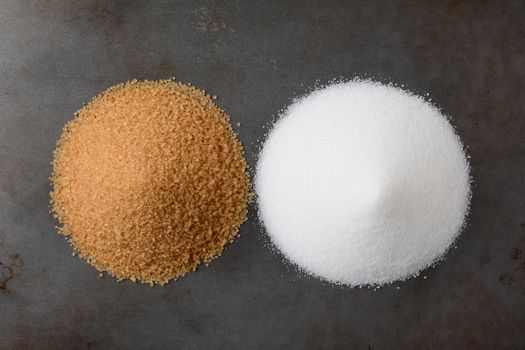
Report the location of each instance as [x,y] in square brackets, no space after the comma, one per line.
[361,183]
[149,181]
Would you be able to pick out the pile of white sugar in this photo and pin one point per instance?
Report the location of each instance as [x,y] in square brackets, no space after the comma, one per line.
[361,183]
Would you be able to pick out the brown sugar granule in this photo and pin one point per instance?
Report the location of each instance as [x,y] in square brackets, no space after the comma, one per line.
[149,181]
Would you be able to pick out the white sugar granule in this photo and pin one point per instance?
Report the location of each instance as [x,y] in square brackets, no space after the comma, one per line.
[361,183]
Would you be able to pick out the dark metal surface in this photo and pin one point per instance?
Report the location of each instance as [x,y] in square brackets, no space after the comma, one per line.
[256,55]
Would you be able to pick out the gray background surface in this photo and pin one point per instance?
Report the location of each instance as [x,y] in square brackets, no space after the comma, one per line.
[257,55]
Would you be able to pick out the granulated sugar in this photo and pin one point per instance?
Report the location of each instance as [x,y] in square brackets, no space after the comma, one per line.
[150,180]
[363,184]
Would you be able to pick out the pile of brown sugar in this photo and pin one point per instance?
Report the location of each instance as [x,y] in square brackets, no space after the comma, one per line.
[149,181]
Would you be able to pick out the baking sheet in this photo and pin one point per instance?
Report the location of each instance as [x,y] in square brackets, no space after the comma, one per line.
[256,56]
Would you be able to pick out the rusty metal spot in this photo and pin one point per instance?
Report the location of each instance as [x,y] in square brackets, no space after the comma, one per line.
[212,21]
[515,253]
[506,279]
[16,260]
[6,275]
[98,9]
[483,260]
[7,270]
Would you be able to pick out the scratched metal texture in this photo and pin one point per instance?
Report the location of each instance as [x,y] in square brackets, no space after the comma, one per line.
[256,56]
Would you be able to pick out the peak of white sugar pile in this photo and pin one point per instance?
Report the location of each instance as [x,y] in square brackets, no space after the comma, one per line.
[361,183]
